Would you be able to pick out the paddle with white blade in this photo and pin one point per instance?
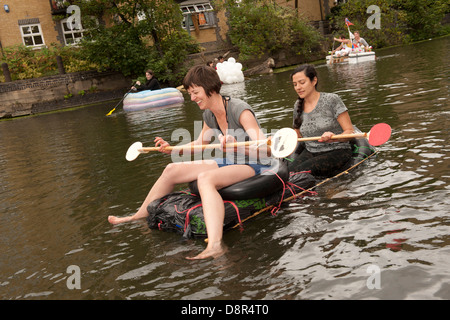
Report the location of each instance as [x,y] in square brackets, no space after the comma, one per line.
[282,144]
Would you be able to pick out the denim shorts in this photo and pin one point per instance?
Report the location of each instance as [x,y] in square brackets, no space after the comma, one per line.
[222,162]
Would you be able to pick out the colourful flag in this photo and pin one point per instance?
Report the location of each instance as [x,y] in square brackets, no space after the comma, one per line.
[348,23]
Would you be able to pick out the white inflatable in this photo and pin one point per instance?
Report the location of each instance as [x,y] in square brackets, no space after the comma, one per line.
[230,71]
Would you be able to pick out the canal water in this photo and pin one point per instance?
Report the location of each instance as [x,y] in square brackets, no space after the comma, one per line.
[380,232]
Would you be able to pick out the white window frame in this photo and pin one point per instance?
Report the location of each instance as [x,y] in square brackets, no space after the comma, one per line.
[196,8]
[77,34]
[32,34]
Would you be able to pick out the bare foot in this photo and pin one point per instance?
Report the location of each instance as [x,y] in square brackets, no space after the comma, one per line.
[212,251]
[116,220]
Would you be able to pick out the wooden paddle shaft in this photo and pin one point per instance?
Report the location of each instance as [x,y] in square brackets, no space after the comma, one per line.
[338,136]
[202,146]
[245,143]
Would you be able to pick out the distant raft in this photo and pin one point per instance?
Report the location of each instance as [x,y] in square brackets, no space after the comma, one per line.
[352,57]
[146,99]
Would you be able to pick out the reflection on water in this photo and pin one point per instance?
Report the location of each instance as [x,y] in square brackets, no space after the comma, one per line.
[235,90]
[63,174]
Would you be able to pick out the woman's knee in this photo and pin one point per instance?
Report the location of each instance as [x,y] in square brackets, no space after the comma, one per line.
[171,171]
[206,178]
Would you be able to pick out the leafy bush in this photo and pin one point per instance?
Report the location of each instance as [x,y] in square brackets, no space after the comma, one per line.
[26,63]
[262,26]
[402,21]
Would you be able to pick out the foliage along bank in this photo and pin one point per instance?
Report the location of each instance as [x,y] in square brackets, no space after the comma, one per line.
[400,21]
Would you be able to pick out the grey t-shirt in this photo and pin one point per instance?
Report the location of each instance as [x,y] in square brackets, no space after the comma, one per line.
[361,41]
[234,109]
[321,119]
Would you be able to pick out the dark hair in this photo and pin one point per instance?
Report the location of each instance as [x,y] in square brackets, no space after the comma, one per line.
[203,76]
[149,71]
[311,73]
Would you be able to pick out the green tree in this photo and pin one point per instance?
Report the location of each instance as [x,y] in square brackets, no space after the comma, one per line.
[133,35]
[423,17]
[402,21]
[262,26]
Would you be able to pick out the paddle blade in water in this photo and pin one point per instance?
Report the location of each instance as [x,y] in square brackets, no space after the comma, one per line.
[379,134]
[133,151]
[109,113]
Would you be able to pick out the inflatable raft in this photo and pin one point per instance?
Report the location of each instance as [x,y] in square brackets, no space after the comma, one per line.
[182,212]
[146,99]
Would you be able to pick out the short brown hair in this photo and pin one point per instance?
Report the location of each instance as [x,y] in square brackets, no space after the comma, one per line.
[203,76]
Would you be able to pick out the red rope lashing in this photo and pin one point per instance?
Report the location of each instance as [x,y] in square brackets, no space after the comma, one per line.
[294,193]
[237,211]
[186,221]
[276,208]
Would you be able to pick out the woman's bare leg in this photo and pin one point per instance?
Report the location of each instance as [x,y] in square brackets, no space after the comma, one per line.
[213,208]
[173,174]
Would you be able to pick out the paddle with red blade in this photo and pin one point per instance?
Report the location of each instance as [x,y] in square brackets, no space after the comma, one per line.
[378,135]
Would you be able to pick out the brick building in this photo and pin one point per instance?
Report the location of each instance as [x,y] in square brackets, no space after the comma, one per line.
[31,23]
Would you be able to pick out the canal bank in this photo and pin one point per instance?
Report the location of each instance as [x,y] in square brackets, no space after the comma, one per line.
[34,96]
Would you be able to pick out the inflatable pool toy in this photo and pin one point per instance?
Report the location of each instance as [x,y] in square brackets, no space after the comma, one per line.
[146,99]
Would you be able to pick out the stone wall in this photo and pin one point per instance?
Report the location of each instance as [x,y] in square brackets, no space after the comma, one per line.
[31,96]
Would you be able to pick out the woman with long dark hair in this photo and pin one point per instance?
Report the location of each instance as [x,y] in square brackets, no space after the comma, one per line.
[319,114]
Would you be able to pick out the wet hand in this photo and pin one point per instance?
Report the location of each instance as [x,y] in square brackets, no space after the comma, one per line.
[162,144]
[224,139]
[326,137]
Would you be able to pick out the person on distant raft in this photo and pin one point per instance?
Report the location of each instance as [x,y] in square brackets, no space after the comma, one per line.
[344,48]
[319,114]
[151,83]
[360,42]
[224,118]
